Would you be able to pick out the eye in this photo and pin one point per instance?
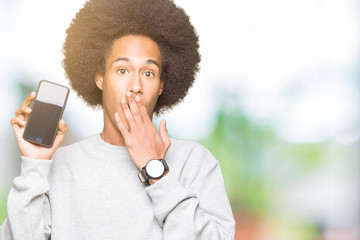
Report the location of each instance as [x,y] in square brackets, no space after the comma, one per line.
[149,74]
[122,71]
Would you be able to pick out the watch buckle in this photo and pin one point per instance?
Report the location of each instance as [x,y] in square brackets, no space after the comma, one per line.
[141,177]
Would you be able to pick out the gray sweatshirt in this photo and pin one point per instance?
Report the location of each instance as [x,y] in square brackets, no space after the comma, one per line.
[91,190]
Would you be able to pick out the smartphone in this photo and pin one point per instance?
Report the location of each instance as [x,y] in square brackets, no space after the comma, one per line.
[47,109]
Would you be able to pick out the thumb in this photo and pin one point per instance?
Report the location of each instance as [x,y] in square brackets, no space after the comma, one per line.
[61,133]
[164,133]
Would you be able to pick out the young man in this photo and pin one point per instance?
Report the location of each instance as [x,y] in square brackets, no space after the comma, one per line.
[135,58]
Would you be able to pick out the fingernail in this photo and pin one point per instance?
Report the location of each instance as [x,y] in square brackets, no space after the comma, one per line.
[128,94]
[137,98]
[123,101]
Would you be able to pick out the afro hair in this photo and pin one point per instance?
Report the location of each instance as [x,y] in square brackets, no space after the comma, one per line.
[99,23]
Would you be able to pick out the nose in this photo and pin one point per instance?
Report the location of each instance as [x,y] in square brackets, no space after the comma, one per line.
[135,85]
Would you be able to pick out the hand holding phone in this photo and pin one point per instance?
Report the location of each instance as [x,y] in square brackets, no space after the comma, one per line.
[21,123]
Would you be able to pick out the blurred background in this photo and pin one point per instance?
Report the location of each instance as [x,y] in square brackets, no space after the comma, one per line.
[277,101]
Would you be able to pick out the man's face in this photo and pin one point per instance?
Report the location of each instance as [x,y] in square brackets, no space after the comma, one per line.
[134,64]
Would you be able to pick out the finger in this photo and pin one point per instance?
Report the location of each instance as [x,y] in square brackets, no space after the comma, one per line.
[18,121]
[27,113]
[143,112]
[164,133]
[23,112]
[134,108]
[60,133]
[123,129]
[26,104]
[18,128]
[29,99]
[128,114]
[63,128]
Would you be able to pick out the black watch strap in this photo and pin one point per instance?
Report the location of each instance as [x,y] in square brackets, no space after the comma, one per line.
[165,165]
[143,175]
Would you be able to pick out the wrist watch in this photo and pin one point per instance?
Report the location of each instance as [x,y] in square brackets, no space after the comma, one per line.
[155,168]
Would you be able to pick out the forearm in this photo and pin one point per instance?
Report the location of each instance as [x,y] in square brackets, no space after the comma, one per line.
[182,215]
[28,206]
[189,221]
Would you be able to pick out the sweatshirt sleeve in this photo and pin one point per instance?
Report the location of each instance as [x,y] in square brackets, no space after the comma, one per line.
[193,204]
[28,203]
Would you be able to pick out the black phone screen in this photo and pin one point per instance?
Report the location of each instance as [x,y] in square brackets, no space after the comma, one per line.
[47,109]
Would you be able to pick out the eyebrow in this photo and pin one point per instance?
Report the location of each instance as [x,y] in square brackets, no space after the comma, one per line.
[149,61]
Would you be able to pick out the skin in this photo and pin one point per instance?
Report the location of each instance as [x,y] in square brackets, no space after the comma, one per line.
[131,86]
[132,72]
[28,149]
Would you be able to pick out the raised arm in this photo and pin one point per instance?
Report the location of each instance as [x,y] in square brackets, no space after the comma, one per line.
[192,203]
[28,204]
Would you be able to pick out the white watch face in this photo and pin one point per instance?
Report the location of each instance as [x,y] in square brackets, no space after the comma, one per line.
[155,168]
